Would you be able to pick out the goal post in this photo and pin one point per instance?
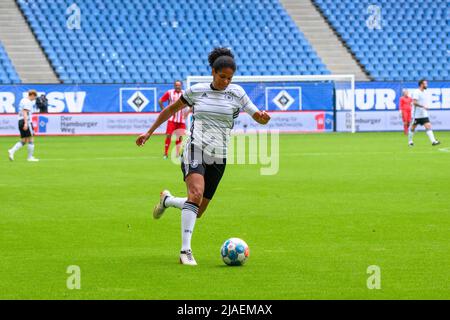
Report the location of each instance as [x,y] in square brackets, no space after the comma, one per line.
[330,93]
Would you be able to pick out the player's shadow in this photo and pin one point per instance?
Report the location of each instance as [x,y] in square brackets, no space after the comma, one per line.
[230,267]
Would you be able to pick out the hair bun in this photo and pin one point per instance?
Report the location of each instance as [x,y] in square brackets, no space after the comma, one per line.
[219,52]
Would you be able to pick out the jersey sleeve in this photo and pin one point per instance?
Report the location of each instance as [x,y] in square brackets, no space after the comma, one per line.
[26,104]
[188,97]
[247,104]
[415,95]
[165,97]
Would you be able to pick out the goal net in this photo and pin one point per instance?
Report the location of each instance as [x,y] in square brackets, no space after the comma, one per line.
[302,103]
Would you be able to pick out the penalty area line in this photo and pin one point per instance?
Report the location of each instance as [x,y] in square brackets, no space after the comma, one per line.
[357,153]
[99,158]
[89,159]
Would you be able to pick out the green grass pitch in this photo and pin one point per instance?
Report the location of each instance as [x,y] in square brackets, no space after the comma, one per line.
[339,204]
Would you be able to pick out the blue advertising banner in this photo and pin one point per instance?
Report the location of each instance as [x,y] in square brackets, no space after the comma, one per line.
[87,98]
[276,96]
[291,96]
[377,106]
[384,96]
[143,98]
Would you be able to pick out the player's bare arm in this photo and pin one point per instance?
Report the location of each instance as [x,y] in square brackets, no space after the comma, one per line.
[261,117]
[160,103]
[163,117]
[25,119]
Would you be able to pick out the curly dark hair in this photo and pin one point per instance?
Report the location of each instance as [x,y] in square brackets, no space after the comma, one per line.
[220,58]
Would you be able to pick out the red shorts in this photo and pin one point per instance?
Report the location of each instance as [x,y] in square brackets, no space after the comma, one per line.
[406,116]
[175,126]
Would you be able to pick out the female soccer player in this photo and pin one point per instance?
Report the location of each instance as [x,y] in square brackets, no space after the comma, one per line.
[215,106]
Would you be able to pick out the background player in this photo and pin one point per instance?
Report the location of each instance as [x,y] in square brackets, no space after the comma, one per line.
[420,102]
[176,123]
[25,126]
[405,106]
[217,104]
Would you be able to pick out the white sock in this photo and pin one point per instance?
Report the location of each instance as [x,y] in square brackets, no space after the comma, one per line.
[174,202]
[431,135]
[30,150]
[17,146]
[188,218]
[410,136]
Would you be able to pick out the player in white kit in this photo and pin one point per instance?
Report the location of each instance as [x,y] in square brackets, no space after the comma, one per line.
[214,106]
[420,113]
[26,107]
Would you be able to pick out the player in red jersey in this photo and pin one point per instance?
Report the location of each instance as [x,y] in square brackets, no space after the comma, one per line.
[176,123]
[405,110]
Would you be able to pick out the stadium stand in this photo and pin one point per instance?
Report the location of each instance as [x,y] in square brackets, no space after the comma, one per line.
[158,41]
[401,49]
[7,72]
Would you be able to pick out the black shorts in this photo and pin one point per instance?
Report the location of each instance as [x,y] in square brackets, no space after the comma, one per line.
[212,169]
[421,121]
[25,133]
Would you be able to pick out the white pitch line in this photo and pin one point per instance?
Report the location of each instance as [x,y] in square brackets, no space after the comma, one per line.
[91,159]
[444,149]
[356,153]
[100,158]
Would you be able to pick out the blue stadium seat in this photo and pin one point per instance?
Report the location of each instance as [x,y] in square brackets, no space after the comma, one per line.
[422,45]
[8,74]
[168,39]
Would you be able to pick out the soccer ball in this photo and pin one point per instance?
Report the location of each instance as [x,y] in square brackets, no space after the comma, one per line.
[234,252]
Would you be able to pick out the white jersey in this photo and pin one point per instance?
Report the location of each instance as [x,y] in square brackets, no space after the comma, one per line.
[26,104]
[422,99]
[213,117]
